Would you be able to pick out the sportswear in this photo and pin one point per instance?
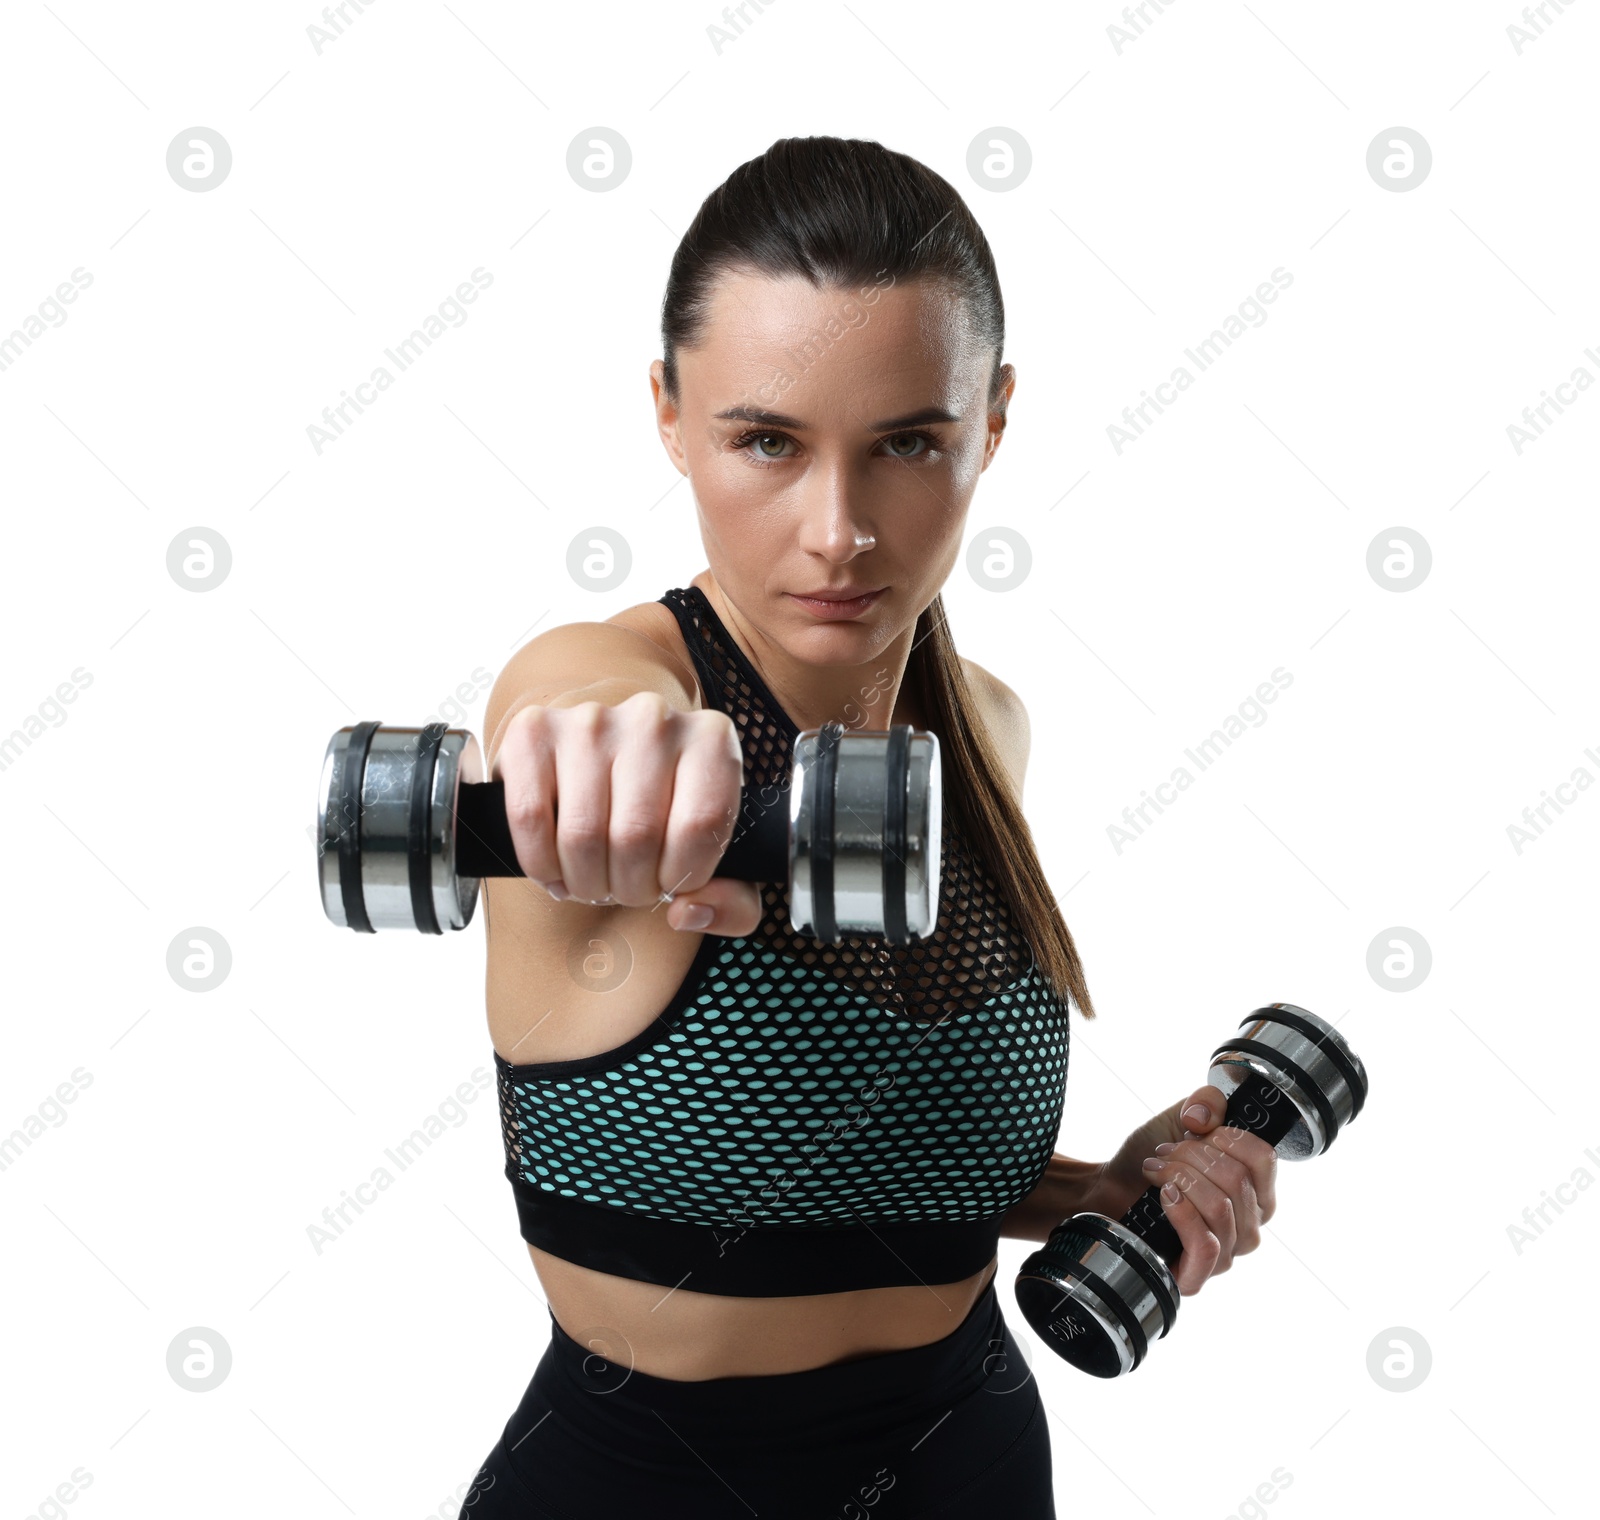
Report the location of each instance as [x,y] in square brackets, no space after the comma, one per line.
[801,1117]
[951,1430]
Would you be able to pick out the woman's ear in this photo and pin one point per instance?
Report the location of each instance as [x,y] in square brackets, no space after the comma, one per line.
[667,418]
[1008,383]
[997,412]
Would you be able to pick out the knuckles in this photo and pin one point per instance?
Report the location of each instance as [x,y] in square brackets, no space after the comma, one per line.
[636,836]
[590,736]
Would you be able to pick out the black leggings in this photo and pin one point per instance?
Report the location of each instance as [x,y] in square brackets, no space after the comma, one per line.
[953,1429]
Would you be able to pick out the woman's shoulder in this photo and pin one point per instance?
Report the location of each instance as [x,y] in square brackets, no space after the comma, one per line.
[999,701]
[1005,716]
[641,644]
[659,623]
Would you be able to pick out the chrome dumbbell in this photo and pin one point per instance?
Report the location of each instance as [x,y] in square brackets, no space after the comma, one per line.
[407,826]
[1100,1291]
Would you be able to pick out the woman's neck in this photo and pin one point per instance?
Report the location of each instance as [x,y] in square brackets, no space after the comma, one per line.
[860,698]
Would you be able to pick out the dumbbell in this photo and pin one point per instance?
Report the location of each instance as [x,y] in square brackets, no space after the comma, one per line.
[1099,1291]
[407,825]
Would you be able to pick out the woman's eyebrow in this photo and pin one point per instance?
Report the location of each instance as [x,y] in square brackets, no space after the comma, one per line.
[760,418]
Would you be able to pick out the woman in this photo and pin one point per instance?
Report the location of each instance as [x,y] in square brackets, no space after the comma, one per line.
[762,1178]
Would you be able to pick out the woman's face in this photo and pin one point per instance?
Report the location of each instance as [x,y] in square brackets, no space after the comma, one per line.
[833,439]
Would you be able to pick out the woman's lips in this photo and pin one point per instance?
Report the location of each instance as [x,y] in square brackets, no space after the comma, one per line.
[837,611]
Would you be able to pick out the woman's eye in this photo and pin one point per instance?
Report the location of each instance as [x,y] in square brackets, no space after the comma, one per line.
[767,448]
[741,445]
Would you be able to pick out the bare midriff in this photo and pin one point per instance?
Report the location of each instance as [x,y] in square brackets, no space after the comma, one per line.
[673,1333]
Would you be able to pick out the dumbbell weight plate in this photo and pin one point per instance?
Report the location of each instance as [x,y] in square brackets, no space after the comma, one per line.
[386,832]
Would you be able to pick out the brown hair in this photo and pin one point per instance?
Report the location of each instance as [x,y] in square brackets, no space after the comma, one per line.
[843,213]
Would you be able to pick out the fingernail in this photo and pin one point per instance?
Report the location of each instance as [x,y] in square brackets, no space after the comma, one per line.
[1163,1148]
[694,916]
[1170,1193]
[1152,1165]
[556,889]
[1196,1113]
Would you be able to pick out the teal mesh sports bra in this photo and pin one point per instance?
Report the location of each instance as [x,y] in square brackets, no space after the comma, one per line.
[801,1117]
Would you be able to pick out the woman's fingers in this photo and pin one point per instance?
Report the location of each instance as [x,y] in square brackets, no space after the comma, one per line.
[583,790]
[705,794]
[1203,1218]
[1260,1161]
[1218,1214]
[526,764]
[1244,1166]
[1203,1110]
[735,907]
[1230,1181]
[642,775]
[1225,1180]
[616,804]
[1251,1178]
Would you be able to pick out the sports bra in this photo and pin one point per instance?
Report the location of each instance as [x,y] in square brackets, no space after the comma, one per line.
[801,1117]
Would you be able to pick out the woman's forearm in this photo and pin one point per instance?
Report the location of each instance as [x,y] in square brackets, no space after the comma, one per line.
[1064,1189]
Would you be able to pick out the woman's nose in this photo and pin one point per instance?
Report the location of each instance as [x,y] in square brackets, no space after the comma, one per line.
[834,517]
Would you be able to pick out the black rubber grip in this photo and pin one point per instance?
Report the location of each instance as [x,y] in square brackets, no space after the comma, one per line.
[348,802]
[419,860]
[1256,1106]
[758,851]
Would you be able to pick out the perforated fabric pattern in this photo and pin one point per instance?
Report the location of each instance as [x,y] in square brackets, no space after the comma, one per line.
[778,1078]
[973,952]
[792,1082]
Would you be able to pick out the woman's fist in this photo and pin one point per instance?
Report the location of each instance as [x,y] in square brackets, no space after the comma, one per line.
[1219,1184]
[618,805]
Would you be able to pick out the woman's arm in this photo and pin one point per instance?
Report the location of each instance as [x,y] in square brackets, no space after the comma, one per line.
[1066,1187]
[1224,1185]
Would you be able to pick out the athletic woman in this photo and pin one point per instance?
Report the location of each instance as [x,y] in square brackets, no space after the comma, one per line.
[761,1177]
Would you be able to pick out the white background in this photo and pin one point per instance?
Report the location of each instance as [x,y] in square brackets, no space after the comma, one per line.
[1167,181]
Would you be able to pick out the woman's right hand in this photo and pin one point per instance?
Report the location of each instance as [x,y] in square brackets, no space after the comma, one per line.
[618,804]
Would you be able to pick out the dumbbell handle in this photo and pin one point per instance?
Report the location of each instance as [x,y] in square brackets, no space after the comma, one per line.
[758,851]
[1256,1106]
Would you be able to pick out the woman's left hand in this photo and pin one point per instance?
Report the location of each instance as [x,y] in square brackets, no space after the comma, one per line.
[1226,1181]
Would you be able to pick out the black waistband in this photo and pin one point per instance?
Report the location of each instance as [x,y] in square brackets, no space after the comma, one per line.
[592,1388]
[747,1259]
